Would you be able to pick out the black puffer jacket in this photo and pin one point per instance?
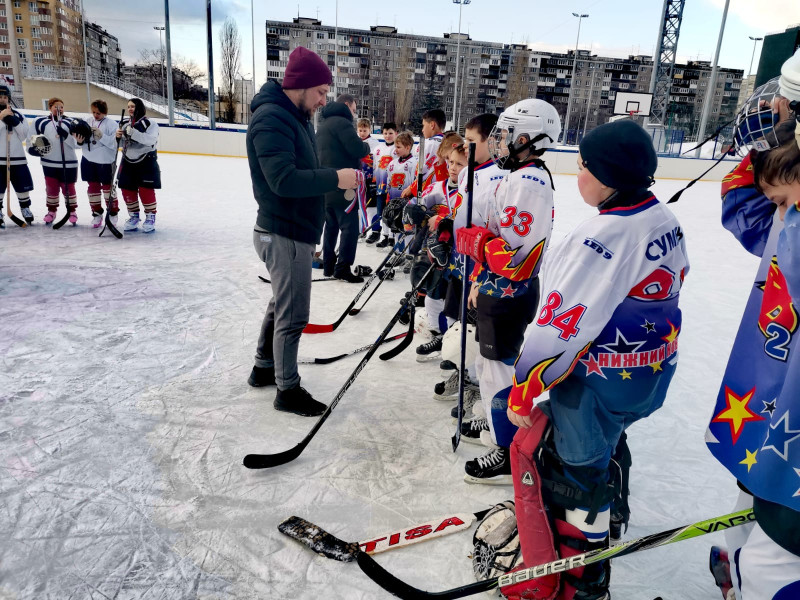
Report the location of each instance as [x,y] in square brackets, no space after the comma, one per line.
[288,182]
[339,144]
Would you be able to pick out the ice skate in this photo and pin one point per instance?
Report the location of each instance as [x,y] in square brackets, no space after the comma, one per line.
[149,223]
[27,215]
[132,224]
[431,350]
[97,220]
[493,468]
[49,217]
[471,431]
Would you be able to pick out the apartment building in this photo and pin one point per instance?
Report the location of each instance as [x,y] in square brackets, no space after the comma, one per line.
[392,74]
[102,50]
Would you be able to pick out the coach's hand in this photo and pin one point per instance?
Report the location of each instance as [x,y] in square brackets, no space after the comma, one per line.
[347,179]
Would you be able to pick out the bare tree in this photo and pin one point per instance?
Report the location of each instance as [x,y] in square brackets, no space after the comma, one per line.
[231,46]
[404,85]
[517,86]
[151,68]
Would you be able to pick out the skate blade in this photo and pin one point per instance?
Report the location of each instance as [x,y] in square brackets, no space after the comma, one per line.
[498,480]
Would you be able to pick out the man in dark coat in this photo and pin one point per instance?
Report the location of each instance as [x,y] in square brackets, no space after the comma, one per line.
[289,186]
[340,147]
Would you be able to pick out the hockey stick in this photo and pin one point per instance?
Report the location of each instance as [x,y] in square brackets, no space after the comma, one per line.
[330,359]
[390,354]
[112,196]
[462,373]
[297,528]
[398,258]
[17,221]
[65,218]
[263,461]
[314,328]
[322,542]
[265,280]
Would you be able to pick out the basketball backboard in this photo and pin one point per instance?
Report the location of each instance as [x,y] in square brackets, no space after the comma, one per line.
[637,103]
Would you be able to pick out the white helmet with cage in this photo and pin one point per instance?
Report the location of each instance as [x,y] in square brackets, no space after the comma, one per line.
[535,119]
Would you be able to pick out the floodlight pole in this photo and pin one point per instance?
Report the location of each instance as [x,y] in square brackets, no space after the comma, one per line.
[161,61]
[755,42]
[170,100]
[712,84]
[212,111]
[572,82]
[461,4]
[253,35]
[85,60]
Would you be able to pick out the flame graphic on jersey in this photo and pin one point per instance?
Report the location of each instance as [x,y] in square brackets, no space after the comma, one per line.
[776,303]
[741,176]
[501,260]
[522,394]
[673,333]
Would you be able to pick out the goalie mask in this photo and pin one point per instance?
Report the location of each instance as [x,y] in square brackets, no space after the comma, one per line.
[495,545]
[534,120]
[755,127]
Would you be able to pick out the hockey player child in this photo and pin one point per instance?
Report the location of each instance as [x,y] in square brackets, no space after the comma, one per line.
[399,174]
[605,346]
[433,167]
[508,249]
[60,163]
[364,129]
[99,154]
[17,128]
[382,156]
[139,174]
[755,426]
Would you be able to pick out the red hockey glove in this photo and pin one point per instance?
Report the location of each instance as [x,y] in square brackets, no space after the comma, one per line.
[472,241]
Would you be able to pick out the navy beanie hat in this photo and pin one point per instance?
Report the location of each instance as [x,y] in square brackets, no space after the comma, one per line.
[620,155]
[304,70]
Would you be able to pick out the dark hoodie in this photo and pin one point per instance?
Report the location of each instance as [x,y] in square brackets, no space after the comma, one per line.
[288,183]
[339,144]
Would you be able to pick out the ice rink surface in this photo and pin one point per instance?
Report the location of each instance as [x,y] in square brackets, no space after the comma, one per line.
[125,413]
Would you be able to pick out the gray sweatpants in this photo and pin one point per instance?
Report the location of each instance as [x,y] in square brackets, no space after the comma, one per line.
[289,265]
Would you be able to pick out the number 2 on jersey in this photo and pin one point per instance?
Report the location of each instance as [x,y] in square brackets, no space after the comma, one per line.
[566,321]
[525,219]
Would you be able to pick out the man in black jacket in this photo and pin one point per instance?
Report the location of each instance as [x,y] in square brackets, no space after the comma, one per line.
[289,185]
[340,147]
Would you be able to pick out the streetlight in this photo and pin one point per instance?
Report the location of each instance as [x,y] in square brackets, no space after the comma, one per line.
[460,3]
[574,68]
[755,41]
[161,59]
[712,83]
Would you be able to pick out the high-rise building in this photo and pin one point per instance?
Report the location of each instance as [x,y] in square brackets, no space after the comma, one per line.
[102,50]
[396,75]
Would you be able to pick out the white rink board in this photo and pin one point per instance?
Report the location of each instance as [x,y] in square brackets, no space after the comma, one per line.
[125,414]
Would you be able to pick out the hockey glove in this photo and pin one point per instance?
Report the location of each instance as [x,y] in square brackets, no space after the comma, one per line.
[11,120]
[62,133]
[472,241]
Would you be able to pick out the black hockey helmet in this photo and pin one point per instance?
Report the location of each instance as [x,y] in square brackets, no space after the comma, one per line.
[81,128]
[393,214]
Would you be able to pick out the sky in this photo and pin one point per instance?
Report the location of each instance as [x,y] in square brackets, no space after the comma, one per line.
[613,28]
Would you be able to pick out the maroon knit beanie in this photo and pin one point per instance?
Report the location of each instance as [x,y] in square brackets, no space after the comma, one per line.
[305,70]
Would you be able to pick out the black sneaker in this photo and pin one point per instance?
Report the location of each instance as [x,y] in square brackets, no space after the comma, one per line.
[262,376]
[386,242]
[431,351]
[347,276]
[373,237]
[493,468]
[471,430]
[298,401]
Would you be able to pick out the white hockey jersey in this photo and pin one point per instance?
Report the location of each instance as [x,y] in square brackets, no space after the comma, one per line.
[46,126]
[382,156]
[400,174]
[429,164]
[520,214]
[104,151]
[19,134]
[438,197]
[144,138]
[608,309]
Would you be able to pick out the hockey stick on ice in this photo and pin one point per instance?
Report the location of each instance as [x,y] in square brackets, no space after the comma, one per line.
[398,259]
[266,280]
[330,359]
[314,328]
[298,528]
[322,542]
[60,223]
[264,461]
[462,373]
[16,220]
[112,196]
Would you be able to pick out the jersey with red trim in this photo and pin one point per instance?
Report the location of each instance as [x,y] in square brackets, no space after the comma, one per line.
[429,164]
[438,197]
[487,177]
[608,310]
[367,163]
[382,156]
[440,173]
[400,174]
[521,216]
[754,430]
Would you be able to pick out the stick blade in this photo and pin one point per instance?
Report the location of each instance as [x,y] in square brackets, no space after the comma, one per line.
[267,461]
[314,328]
[17,221]
[319,540]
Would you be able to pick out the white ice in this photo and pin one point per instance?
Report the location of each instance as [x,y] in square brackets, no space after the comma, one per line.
[125,414]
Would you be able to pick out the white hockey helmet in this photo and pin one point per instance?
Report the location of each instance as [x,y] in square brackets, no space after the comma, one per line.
[451,345]
[535,119]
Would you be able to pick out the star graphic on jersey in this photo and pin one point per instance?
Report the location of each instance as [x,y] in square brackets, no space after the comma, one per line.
[736,412]
[650,327]
[592,366]
[490,293]
[749,459]
[625,374]
[797,493]
[621,345]
[508,291]
[781,436]
[656,366]
[769,407]
[491,282]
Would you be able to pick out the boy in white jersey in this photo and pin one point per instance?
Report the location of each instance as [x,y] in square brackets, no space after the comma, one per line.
[399,174]
[605,347]
[382,156]
[507,249]
[433,168]
[364,129]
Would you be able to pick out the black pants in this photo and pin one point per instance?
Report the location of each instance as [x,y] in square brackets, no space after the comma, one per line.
[336,221]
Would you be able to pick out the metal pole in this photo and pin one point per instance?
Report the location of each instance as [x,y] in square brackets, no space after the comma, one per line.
[458,57]
[85,58]
[336,51]
[712,84]
[572,82]
[209,41]
[170,102]
[253,35]
[589,101]
[755,41]
[161,61]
